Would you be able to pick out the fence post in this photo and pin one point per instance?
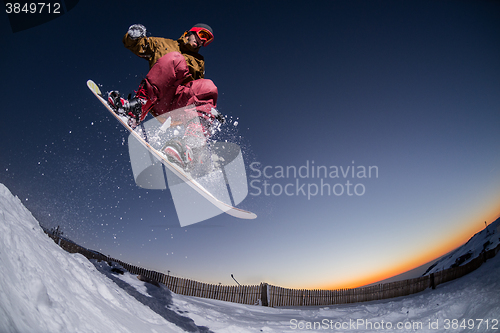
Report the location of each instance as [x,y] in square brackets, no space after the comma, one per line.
[263,294]
[432,283]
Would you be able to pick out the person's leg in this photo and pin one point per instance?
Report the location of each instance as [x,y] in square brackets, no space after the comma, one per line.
[162,82]
[202,94]
[200,99]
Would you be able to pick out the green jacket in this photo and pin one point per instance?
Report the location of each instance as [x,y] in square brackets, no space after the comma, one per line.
[153,48]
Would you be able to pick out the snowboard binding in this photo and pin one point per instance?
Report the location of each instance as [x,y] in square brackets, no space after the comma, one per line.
[132,108]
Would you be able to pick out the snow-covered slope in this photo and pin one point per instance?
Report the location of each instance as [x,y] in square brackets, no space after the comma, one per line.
[45,289]
[485,240]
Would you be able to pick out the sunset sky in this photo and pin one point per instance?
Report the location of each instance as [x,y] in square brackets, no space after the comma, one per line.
[408,90]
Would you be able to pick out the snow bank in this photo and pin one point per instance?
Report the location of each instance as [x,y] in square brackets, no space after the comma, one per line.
[45,289]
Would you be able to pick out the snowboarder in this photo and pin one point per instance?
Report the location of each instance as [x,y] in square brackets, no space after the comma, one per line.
[175,80]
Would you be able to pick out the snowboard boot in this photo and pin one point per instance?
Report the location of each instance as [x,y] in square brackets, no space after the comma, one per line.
[135,108]
[190,151]
[179,153]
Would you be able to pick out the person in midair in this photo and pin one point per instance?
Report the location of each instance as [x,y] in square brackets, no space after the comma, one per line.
[176,79]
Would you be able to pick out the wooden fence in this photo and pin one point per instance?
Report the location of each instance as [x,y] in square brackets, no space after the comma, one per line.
[302,297]
[236,294]
[278,297]
[274,296]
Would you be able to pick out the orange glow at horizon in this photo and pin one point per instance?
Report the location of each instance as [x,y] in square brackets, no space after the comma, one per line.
[439,250]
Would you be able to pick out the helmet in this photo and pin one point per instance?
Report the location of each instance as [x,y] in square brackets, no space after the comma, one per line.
[204,32]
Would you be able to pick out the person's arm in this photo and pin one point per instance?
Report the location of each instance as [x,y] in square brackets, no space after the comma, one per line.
[136,41]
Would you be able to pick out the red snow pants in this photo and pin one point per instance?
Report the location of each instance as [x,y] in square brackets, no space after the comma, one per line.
[166,92]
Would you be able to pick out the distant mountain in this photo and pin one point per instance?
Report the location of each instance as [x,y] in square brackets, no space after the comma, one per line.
[485,240]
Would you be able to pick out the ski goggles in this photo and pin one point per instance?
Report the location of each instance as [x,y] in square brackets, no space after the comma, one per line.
[205,36]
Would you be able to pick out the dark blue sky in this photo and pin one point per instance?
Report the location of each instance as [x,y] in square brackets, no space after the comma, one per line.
[410,87]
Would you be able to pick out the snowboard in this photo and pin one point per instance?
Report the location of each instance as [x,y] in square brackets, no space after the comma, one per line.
[174,168]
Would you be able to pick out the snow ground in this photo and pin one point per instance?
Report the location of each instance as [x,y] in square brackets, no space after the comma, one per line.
[45,289]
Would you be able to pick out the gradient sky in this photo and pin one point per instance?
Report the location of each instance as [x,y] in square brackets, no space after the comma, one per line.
[409,87]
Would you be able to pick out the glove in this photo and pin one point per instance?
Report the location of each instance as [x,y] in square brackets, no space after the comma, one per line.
[137,31]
